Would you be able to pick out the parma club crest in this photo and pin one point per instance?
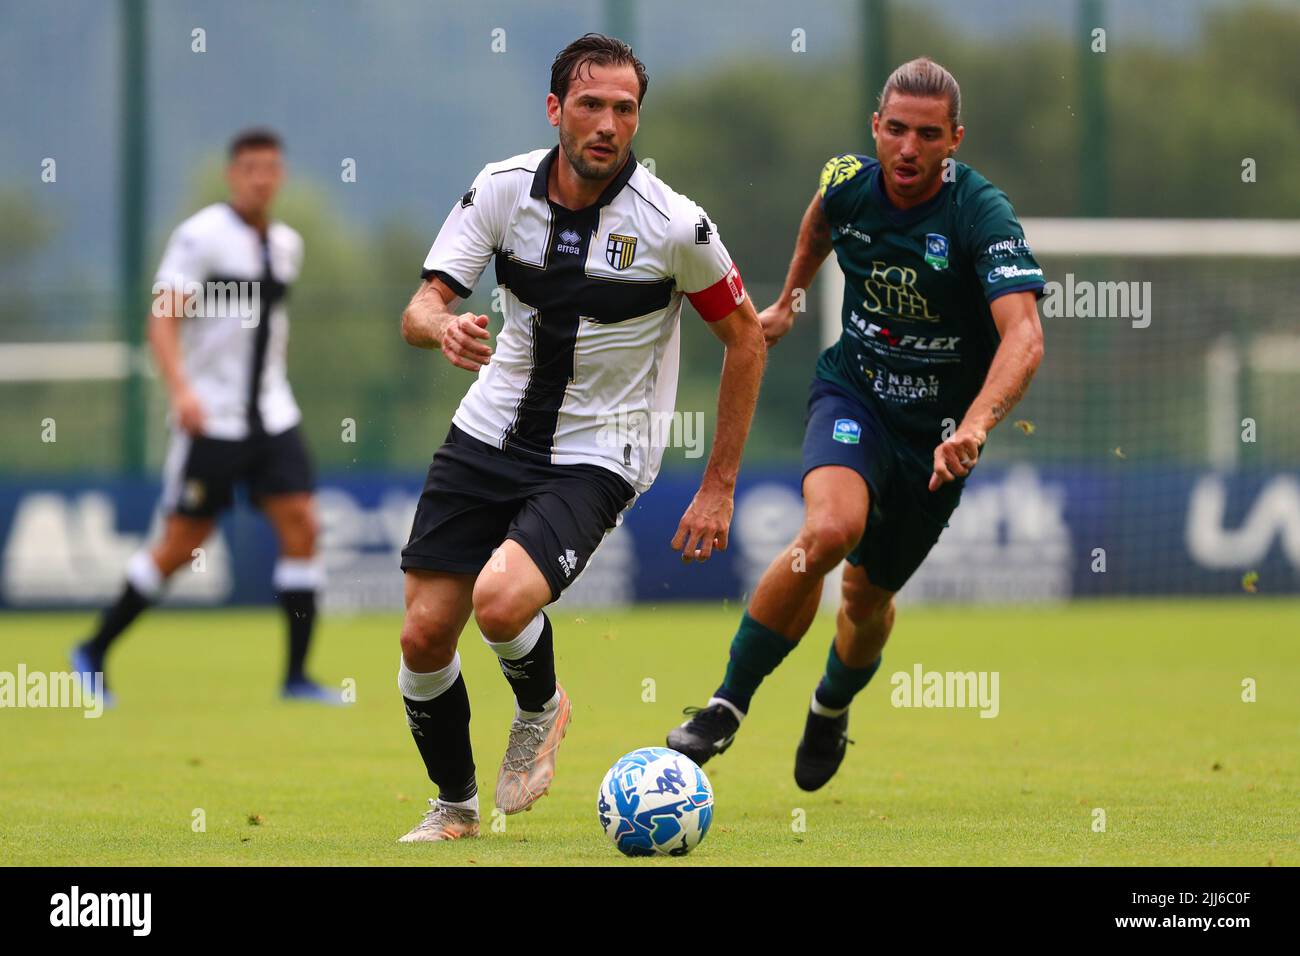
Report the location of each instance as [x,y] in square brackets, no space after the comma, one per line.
[620,251]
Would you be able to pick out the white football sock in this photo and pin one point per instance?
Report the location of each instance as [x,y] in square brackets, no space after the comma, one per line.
[520,645]
[298,574]
[144,575]
[740,714]
[417,686]
[470,804]
[547,708]
[821,710]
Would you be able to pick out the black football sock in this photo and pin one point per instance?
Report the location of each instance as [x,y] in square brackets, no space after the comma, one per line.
[300,609]
[143,584]
[296,581]
[528,661]
[437,711]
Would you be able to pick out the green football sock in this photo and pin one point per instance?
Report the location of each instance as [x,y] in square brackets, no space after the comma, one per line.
[756,651]
[841,683]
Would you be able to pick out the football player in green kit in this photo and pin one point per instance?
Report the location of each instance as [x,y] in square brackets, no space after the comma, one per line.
[941,338]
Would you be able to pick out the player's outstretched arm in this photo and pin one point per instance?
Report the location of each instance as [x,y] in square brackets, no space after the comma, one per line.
[708,519]
[1014,365]
[429,323]
[810,250]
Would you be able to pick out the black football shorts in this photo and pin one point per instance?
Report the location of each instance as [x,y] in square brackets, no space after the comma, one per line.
[476,496]
[200,474]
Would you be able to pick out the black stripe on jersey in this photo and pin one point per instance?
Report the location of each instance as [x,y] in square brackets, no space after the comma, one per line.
[565,287]
[450,281]
[538,411]
[561,293]
[270,291]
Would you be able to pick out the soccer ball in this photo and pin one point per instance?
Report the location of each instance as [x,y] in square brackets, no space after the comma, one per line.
[655,801]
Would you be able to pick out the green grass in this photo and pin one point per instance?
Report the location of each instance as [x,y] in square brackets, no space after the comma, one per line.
[1132,707]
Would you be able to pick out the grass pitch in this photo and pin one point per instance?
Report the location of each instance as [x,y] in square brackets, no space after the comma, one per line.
[1131,708]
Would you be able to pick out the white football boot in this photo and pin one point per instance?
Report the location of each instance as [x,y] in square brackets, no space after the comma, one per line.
[529,763]
[443,822]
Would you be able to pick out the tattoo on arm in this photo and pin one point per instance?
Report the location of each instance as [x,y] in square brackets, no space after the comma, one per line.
[1002,407]
[820,231]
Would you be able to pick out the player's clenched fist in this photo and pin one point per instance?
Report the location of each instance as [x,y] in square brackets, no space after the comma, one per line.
[955,457]
[464,341]
[776,320]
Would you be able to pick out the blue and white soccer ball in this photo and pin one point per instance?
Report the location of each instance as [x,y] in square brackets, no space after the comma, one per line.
[655,801]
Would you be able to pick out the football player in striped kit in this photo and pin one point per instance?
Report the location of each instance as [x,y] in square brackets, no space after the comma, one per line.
[555,438]
[219,331]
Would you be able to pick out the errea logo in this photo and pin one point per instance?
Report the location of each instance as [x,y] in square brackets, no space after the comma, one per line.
[569,243]
[568,562]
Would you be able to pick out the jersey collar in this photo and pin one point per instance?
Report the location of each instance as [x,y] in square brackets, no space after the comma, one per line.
[613,189]
[913,214]
[261,236]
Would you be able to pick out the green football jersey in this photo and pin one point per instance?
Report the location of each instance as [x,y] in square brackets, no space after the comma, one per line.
[918,335]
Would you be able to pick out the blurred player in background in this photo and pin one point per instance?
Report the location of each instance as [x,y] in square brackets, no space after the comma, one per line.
[940,340]
[219,331]
[554,439]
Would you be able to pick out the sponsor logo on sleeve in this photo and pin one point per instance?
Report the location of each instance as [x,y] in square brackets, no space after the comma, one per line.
[467,200]
[998,273]
[847,431]
[1015,246]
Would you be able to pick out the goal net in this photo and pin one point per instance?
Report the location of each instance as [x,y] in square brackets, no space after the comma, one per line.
[1158,449]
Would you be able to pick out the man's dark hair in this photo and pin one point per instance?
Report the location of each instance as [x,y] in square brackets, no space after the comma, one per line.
[256,138]
[595,49]
[924,77]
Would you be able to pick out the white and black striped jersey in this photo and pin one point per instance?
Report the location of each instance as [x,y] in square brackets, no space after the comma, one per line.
[584,369]
[236,332]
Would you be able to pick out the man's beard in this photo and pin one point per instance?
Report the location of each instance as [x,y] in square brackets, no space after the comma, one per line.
[585,169]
